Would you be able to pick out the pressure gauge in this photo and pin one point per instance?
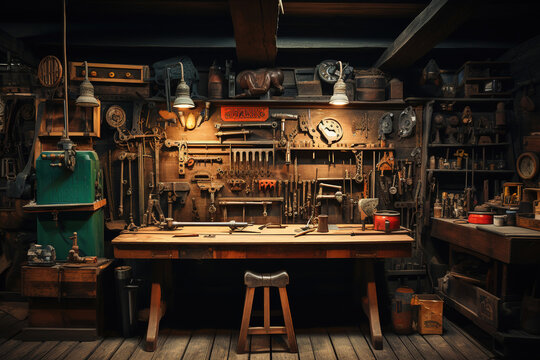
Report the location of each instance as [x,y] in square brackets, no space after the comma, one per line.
[527,165]
[329,71]
[115,116]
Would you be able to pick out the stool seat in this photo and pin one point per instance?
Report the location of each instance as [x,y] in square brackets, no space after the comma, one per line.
[277,279]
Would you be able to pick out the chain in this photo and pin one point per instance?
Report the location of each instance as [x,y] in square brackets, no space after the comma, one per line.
[359,158]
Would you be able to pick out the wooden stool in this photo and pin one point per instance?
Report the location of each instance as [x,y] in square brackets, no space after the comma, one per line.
[252,281]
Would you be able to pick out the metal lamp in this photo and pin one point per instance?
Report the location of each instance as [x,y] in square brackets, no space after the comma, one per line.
[183,100]
[86,99]
[340,90]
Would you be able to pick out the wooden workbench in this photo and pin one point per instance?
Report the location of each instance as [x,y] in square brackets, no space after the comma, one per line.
[512,255]
[252,243]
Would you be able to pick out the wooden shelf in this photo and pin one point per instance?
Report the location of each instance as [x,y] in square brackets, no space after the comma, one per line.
[307,103]
[470,171]
[489,78]
[469,100]
[65,207]
[467,145]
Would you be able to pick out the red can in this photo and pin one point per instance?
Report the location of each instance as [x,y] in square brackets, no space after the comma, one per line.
[480,217]
[386,220]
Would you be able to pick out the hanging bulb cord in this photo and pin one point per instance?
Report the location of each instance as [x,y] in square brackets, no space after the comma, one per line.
[182,71]
[65,133]
[340,70]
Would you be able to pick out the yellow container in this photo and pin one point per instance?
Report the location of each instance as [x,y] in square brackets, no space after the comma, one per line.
[430,313]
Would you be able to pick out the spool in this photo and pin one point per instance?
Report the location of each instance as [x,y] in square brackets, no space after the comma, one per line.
[323,224]
[498,220]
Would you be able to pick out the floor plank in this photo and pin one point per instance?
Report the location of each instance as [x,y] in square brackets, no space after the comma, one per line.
[280,349]
[360,345]
[106,349]
[342,345]
[450,325]
[175,345]
[8,346]
[444,349]
[412,349]
[23,349]
[126,349]
[200,345]
[60,350]
[10,327]
[41,350]
[233,355]
[385,353]
[141,354]
[423,347]
[260,347]
[399,349]
[461,343]
[322,346]
[305,350]
[221,347]
[83,350]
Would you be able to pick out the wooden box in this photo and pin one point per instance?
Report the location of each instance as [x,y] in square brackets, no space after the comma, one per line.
[65,301]
[430,313]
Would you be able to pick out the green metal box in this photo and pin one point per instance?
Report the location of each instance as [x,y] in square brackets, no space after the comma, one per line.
[55,229]
[57,185]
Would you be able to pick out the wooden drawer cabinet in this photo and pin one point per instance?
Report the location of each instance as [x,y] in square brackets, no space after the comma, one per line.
[66,301]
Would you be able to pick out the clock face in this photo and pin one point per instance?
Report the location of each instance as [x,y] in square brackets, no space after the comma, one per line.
[527,165]
[115,116]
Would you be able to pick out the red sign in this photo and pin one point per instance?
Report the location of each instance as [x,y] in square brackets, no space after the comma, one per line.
[244,113]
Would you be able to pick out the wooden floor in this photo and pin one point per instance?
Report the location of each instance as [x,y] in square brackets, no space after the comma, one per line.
[314,344]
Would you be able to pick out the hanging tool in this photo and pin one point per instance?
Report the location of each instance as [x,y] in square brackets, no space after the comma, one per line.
[204,115]
[130,157]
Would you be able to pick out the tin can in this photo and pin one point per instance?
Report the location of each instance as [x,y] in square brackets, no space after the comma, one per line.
[402,310]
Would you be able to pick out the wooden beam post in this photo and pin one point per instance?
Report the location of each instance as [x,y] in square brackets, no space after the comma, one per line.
[438,20]
[255,31]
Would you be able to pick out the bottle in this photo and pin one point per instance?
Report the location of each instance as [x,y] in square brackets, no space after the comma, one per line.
[215,82]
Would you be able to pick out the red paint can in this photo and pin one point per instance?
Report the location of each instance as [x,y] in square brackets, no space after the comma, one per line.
[386,220]
[480,217]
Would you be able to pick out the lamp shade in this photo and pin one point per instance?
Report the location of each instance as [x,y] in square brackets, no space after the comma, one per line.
[86,97]
[340,94]
[183,100]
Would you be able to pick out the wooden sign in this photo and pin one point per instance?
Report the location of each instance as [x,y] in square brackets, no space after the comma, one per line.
[244,113]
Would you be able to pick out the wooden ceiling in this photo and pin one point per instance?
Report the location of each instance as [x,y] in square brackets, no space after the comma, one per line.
[254,34]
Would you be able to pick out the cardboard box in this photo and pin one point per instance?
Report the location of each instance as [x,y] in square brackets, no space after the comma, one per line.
[430,313]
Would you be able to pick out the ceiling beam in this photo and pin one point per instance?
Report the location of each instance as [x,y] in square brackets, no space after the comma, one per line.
[438,20]
[365,10]
[255,31]
[17,48]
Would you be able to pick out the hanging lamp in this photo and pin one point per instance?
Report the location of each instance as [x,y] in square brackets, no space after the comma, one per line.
[340,90]
[183,100]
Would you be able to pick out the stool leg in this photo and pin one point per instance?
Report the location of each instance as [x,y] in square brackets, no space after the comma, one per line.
[293,347]
[242,337]
[266,308]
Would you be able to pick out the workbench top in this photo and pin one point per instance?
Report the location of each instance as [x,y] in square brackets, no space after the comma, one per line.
[252,235]
[481,239]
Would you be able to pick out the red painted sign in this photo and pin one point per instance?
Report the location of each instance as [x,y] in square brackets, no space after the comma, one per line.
[244,113]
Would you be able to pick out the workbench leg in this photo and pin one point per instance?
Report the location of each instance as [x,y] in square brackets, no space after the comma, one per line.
[154,318]
[371,308]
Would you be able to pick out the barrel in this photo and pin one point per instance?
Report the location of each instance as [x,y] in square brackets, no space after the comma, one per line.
[370,87]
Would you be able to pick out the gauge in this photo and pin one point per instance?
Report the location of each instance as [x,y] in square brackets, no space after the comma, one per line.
[385,125]
[331,130]
[527,165]
[329,71]
[115,116]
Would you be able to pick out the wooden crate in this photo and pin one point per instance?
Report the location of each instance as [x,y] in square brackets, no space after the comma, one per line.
[65,302]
